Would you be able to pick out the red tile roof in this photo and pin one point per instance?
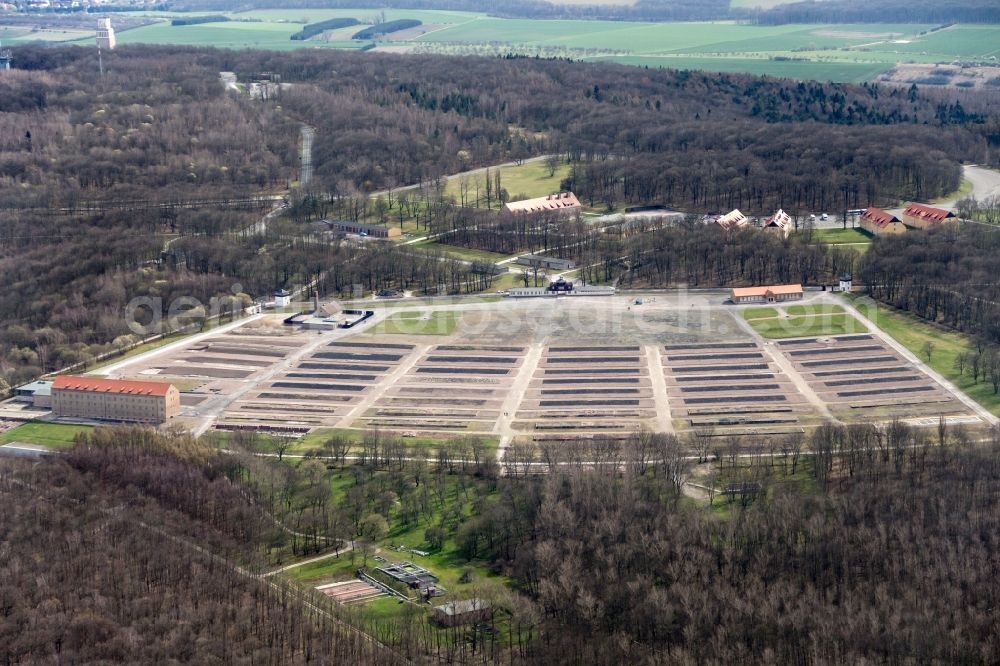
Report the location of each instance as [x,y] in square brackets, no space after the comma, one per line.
[879,217]
[927,212]
[560,201]
[780,219]
[774,290]
[121,386]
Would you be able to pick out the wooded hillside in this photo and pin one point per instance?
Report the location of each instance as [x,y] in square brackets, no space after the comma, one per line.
[98,175]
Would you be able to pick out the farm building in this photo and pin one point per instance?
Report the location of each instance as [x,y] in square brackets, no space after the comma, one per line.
[370,230]
[779,223]
[541,261]
[115,399]
[920,216]
[877,222]
[562,202]
[734,219]
[469,611]
[773,294]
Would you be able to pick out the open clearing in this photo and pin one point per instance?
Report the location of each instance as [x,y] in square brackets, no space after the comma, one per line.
[50,435]
[550,369]
[850,52]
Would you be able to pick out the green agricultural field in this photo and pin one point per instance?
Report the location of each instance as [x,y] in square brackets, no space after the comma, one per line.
[801,327]
[49,435]
[960,41]
[233,35]
[849,52]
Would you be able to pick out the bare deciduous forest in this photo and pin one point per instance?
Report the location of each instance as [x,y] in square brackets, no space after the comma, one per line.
[946,275]
[101,175]
[859,544]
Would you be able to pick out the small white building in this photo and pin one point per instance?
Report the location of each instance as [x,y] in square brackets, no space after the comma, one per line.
[846,283]
[282,298]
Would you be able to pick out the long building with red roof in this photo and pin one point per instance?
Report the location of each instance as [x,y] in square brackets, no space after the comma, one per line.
[920,216]
[563,202]
[115,399]
[776,293]
[877,222]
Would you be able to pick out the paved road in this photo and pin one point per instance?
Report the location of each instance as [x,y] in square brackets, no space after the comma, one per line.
[306,172]
[514,398]
[174,346]
[985,184]
[660,398]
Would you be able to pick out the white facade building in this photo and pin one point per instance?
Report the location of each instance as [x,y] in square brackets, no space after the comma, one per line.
[105,35]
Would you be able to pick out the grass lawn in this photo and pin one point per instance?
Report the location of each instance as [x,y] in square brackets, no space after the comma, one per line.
[813,310]
[964,189]
[837,236]
[759,313]
[418,323]
[526,181]
[800,327]
[49,435]
[913,333]
[316,438]
[506,281]
[464,253]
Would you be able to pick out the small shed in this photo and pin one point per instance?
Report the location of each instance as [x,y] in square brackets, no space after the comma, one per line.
[469,611]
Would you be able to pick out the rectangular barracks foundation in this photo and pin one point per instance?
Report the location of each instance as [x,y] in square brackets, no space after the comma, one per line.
[322,388]
[584,390]
[452,388]
[732,388]
[862,379]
